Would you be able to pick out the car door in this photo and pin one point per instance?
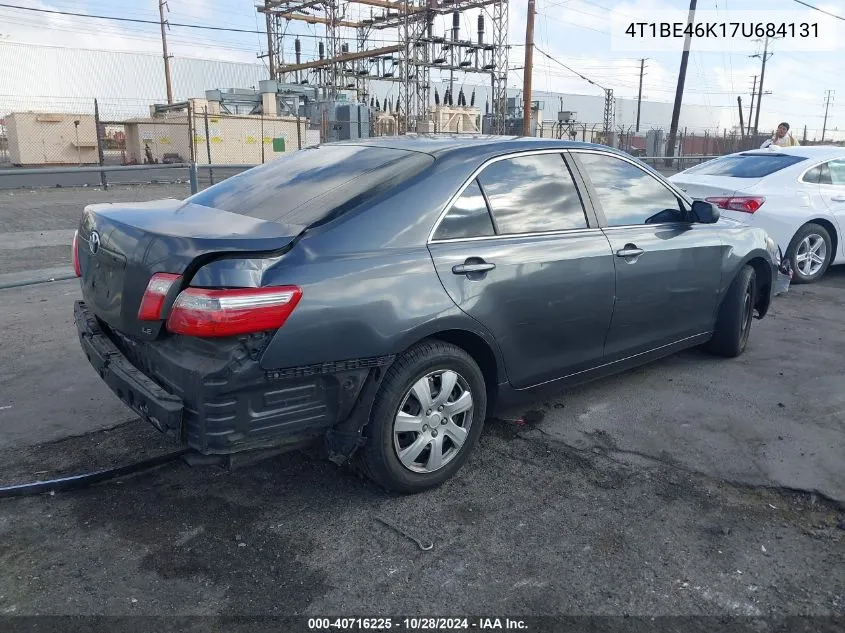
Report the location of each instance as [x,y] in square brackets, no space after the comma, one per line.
[668,268]
[516,251]
[832,191]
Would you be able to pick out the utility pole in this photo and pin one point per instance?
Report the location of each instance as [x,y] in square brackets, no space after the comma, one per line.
[161,5]
[640,93]
[679,90]
[828,96]
[751,107]
[741,122]
[271,57]
[529,67]
[765,57]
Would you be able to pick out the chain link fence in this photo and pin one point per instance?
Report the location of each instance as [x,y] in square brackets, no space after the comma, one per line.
[38,133]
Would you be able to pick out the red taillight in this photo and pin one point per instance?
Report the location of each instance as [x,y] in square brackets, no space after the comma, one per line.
[209,313]
[154,296]
[77,269]
[746,204]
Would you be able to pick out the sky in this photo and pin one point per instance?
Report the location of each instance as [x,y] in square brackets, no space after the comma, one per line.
[574,32]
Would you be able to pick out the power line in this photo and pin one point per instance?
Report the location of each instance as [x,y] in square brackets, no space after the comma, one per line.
[581,26]
[587,79]
[833,15]
[135,20]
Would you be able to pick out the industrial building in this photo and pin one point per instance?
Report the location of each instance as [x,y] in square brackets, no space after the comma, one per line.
[40,138]
[216,129]
[76,77]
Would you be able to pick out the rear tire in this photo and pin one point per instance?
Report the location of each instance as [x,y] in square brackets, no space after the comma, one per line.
[426,419]
[733,324]
[811,243]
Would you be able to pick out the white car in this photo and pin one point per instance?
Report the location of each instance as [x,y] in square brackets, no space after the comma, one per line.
[796,194]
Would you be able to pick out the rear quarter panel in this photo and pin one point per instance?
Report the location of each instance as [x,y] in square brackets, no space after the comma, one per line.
[369,284]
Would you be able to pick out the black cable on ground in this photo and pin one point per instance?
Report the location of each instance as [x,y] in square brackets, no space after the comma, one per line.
[74,482]
[33,282]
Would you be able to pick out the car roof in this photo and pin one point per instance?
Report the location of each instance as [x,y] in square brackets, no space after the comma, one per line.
[441,145]
[818,152]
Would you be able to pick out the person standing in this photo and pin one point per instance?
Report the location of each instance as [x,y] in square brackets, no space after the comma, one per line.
[781,138]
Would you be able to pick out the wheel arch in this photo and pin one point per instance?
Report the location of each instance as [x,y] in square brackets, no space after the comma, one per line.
[464,332]
[764,274]
[481,352]
[830,227]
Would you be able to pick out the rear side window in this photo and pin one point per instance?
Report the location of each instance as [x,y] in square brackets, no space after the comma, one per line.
[313,184]
[746,165]
[830,173]
[817,174]
[836,172]
[468,217]
[532,194]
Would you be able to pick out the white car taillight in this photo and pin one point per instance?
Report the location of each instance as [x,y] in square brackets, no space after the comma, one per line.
[746,204]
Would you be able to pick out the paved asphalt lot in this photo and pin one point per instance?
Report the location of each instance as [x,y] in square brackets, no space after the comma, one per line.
[692,486]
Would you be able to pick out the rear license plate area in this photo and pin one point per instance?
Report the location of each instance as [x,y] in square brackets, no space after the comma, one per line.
[105,285]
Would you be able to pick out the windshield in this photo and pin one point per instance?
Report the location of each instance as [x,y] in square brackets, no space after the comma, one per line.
[312,184]
[745,165]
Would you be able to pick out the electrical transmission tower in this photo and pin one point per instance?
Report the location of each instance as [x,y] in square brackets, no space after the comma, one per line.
[355,42]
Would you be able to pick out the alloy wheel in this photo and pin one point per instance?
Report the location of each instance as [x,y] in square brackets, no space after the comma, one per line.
[811,255]
[433,421]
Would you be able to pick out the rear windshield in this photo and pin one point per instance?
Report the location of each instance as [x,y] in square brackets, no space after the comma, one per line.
[745,165]
[313,184]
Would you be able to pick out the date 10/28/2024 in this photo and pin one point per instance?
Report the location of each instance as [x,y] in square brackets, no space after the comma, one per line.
[417,624]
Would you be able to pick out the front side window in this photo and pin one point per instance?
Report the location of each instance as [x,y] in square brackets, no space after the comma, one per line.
[627,194]
[532,194]
[468,217]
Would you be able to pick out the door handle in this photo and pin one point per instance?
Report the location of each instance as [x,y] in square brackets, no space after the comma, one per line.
[468,269]
[629,251]
[838,198]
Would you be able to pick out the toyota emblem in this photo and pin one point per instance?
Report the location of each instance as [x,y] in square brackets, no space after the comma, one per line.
[94,242]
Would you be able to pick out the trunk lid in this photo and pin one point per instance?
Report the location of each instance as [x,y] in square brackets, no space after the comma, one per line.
[701,187]
[122,245]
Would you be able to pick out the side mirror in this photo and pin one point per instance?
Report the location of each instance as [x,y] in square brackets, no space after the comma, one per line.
[705,212]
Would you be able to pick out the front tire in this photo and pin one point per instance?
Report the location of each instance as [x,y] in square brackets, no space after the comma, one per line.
[426,419]
[733,324]
[810,252]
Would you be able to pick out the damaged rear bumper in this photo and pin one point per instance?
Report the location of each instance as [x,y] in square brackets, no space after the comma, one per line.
[214,396]
[135,390]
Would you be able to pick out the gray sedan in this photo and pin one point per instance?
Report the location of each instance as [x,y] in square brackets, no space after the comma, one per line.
[386,294]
